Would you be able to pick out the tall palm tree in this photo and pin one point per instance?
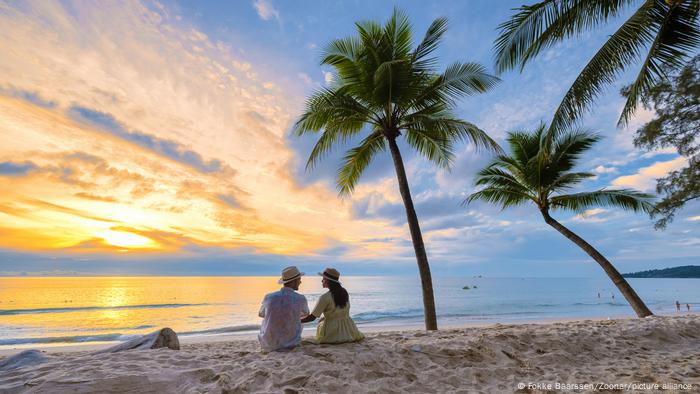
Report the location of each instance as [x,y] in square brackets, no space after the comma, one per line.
[539,170]
[662,32]
[385,88]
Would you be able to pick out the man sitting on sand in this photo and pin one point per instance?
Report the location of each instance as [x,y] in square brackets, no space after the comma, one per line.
[281,310]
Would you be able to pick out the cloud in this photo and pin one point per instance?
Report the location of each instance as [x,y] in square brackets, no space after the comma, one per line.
[595,215]
[158,129]
[32,97]
[229,200]
[167,148]
[305,78]
[645,178]
[266,10]
[604,170]
[9,168]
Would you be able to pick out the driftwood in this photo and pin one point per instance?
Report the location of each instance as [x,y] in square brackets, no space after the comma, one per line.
[157,339]
[22,359]
[165,337]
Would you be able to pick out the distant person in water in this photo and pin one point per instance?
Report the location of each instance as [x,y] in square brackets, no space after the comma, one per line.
[336,326]
[678,306]
[688,307]
[598,295]
[281,310]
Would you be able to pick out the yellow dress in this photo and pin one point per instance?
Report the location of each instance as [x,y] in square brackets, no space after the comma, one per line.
[337,326]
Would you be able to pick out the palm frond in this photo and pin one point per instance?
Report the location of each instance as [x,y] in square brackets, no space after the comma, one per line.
[430,42]
[434,146]
[568,148]
[502,197]
[678,35]
[329,108]
[567,181]
[356,161]
[622,49]
[458,80]
[541,25]
[398,35]
[626,199]
[495,177]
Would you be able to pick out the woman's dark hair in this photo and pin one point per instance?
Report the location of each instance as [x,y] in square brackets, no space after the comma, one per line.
[340,295]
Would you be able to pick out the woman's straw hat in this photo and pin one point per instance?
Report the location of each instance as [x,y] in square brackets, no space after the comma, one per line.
[289,274]
[331,274]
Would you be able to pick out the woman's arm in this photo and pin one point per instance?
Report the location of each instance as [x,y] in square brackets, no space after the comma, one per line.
[321,305]
[308,318]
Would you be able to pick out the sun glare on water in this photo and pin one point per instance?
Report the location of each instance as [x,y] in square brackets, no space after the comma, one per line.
[127,240]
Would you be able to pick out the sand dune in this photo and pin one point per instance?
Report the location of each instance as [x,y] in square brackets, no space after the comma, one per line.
[661,350]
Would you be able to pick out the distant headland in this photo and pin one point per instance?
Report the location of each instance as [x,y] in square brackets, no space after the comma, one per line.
[686,271]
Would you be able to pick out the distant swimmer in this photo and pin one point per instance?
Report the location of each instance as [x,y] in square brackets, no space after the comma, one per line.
[613,296]
[598,294]
[688,306]
[678,306]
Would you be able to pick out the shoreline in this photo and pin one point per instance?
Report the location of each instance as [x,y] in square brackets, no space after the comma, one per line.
[522,358]
[309,332]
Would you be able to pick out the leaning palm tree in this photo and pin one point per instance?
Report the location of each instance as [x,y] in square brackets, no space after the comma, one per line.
[539,171]
[385,88]
[661,32]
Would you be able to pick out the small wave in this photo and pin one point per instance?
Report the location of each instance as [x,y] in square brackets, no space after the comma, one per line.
[117,337]
[373,317]
[599,303]
[397,314]
[71,339]
[224,330]
[5,312]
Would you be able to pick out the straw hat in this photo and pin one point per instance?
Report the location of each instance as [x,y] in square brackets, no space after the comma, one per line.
[331,274]
[289,274]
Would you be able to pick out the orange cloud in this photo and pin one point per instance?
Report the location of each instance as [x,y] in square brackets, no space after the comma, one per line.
[183,105]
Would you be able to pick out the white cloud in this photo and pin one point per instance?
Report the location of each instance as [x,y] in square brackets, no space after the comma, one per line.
[663,151]
[693,218]
[306,78]
[595,215]
[604,170]
[645,178]
[266,10]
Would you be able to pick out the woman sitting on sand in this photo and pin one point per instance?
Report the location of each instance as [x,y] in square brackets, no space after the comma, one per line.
[336,326]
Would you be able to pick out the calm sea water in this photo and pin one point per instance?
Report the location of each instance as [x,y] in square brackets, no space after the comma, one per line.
[104,309]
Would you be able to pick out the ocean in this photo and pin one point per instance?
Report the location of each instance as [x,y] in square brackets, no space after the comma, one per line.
[43,311]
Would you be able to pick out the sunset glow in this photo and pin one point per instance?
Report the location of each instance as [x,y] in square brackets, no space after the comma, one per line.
[163,131]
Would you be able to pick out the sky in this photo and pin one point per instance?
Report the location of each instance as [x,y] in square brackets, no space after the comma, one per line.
[154,138]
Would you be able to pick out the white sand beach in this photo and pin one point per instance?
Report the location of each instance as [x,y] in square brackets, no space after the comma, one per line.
[496,358]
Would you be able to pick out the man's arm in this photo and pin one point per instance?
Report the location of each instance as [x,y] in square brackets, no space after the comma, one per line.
[261,312]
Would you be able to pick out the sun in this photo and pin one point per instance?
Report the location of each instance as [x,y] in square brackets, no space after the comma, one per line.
[125,239]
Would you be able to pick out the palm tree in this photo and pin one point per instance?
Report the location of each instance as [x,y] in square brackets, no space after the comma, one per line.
[385,88]
[539,171]
[662,32]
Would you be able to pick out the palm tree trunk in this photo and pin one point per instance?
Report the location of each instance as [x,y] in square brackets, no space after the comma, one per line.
[418,246]
[627,291]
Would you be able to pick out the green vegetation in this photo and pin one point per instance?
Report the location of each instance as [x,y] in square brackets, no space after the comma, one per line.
[385,89]
[687,271]
[676,104]
[662,33]
[539,170]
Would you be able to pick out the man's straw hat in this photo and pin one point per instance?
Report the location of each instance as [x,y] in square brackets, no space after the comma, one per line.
[289,274]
